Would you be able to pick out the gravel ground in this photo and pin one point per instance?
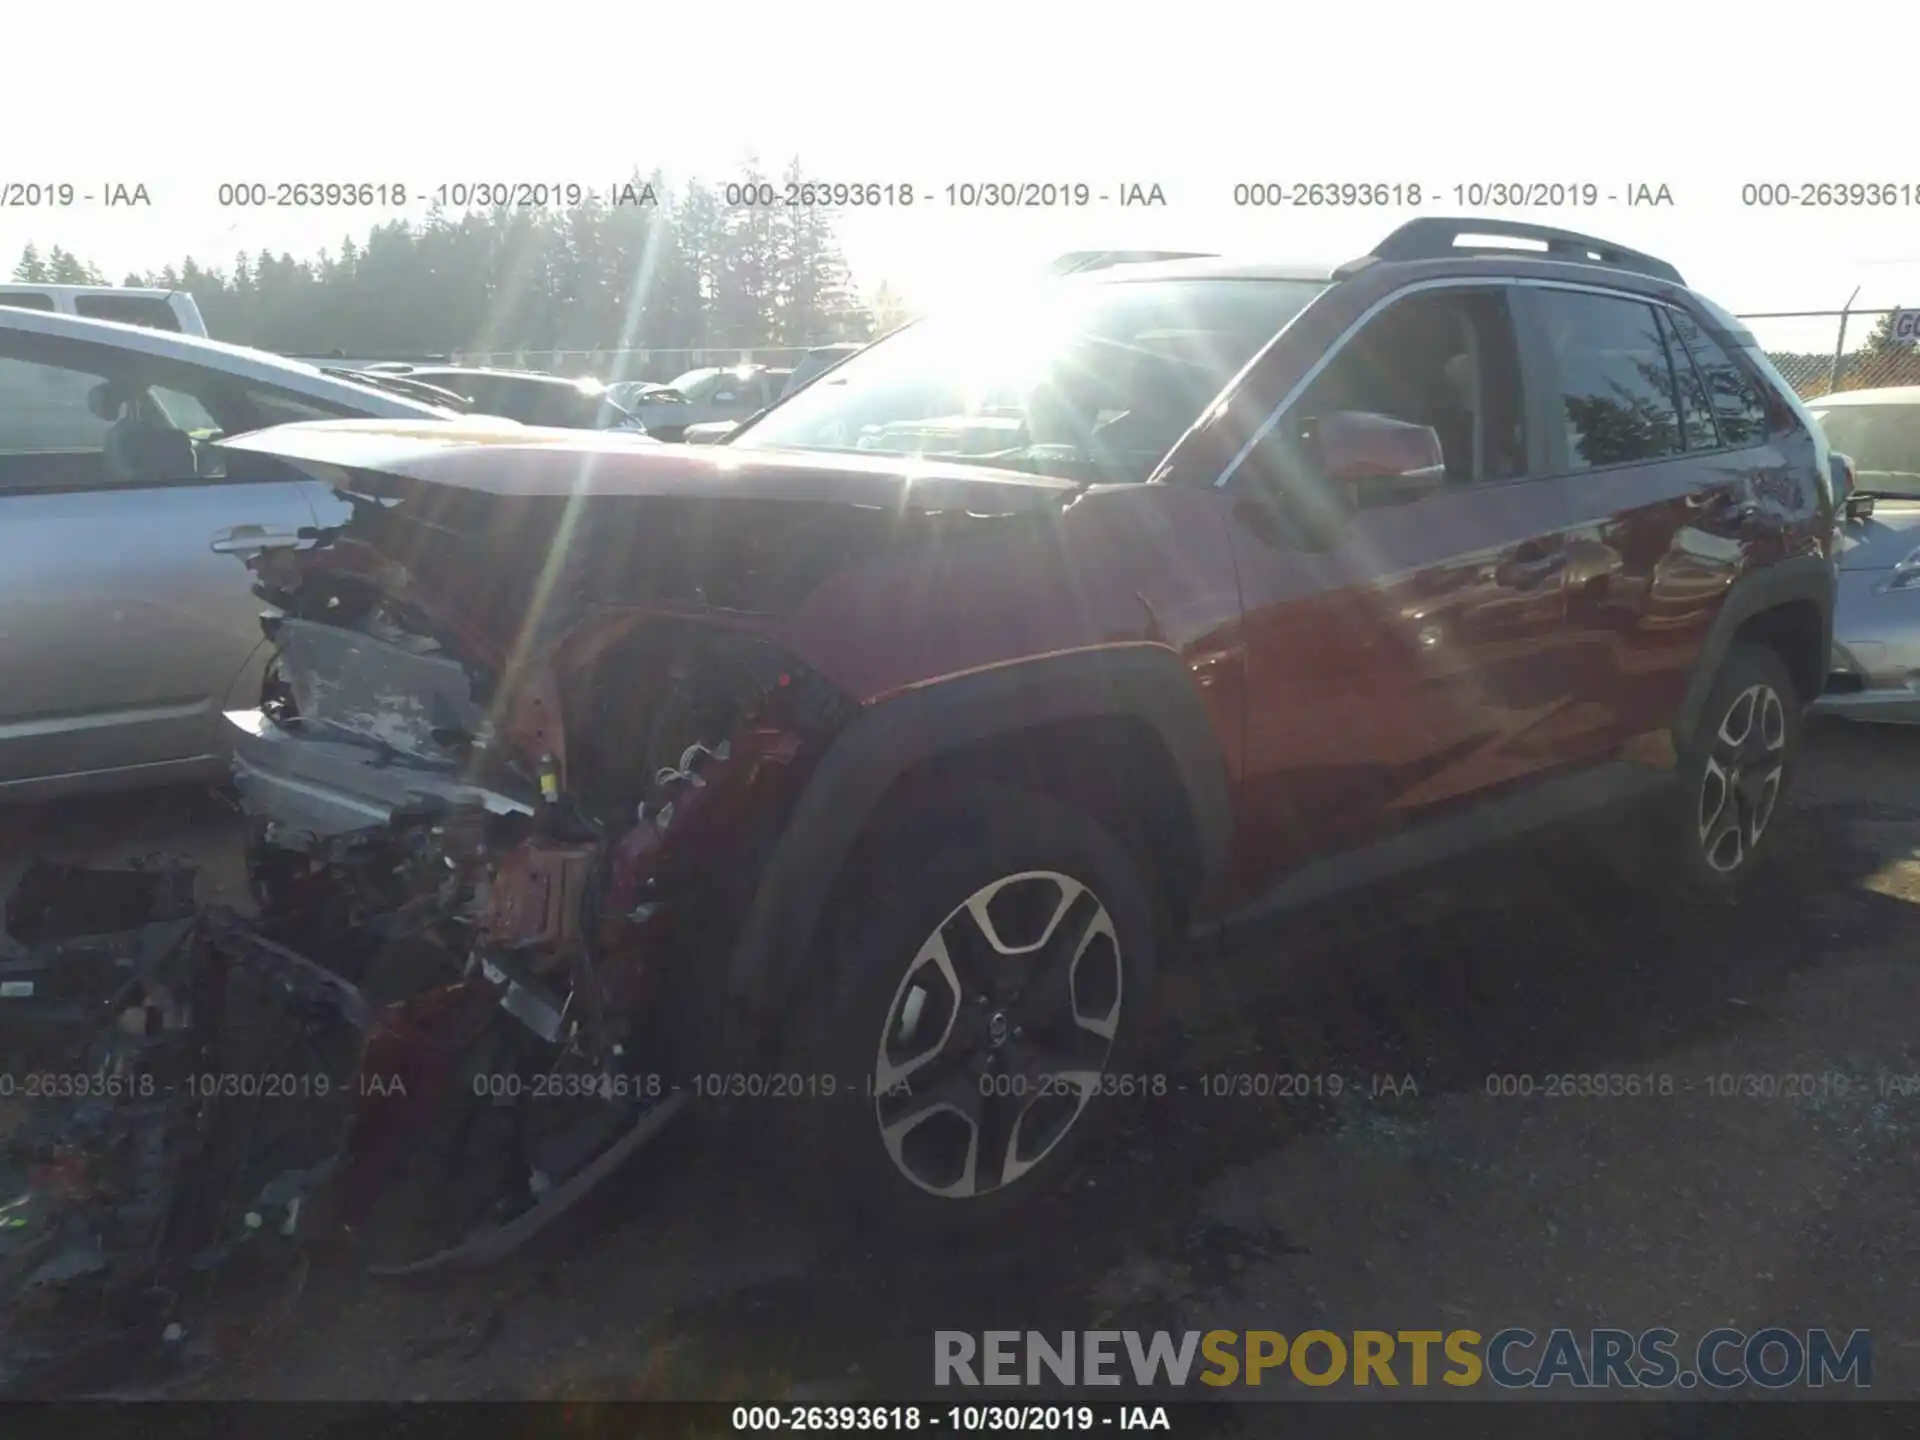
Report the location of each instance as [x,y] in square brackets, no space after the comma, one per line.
[1445,1206]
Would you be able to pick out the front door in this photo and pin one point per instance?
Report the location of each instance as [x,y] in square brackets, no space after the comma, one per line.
[126,609]
[1413,654]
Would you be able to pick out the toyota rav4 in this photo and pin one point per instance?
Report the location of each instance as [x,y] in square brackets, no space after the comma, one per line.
[879,758]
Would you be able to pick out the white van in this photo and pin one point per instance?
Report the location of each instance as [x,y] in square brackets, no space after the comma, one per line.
[156,309]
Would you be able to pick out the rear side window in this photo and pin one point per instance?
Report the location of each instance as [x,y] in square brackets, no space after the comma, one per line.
[1696,410]
[1738,408]
[128,310]
[25,300]
[1617,399]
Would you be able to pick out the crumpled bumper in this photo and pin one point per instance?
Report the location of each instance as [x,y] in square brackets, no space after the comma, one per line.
[321,788]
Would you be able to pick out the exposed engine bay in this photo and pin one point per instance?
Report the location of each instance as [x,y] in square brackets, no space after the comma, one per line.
[521,851]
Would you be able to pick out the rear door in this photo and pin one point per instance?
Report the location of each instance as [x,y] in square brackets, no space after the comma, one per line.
[126,612]
[1411,656]
[1665,496]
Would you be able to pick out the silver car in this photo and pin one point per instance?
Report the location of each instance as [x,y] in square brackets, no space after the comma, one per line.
[1876,625]
[707,395]
[127,618]
[815,363]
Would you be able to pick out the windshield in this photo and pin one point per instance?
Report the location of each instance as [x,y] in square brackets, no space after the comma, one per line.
[1883,441]
[610,414]
[1088,380]
[692,379]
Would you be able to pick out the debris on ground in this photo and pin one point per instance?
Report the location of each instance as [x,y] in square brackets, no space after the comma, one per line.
[135,1163]
[188,1105]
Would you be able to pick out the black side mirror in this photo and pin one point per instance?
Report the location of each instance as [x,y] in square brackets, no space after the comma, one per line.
[1846,484]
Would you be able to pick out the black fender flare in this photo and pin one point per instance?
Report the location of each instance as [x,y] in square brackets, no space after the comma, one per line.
[1146,682]
[1802,577]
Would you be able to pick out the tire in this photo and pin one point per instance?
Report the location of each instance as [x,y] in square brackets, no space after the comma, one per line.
[1734,771]
[892,1148]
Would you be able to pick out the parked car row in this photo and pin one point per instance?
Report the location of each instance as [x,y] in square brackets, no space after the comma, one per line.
[519,395]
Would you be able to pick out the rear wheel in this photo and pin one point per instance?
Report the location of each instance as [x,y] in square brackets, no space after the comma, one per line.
[1734,772]
[977,986]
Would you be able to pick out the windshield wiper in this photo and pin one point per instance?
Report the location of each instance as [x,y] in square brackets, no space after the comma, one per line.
[400,385]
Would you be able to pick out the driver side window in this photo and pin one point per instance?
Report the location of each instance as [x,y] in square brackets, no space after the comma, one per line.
[1445,359]
[65,424]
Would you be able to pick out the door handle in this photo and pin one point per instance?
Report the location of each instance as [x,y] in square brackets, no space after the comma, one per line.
[1721,500]
[245,539]
[1530,568]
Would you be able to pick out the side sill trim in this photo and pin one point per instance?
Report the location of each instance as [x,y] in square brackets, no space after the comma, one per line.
[1427,843]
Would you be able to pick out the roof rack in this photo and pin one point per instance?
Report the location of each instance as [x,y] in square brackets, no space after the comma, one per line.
[1434,238]
[1074,262]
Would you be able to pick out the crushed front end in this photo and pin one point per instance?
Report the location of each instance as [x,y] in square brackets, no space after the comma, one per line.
[512,777]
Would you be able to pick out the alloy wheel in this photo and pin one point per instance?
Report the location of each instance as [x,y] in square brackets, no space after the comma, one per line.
[1741,784]
[998,1034]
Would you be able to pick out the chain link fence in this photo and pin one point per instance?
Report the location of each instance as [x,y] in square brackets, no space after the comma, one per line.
[1822,351]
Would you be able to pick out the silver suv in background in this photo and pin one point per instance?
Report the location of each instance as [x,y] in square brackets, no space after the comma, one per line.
[127,618]
[1876,623]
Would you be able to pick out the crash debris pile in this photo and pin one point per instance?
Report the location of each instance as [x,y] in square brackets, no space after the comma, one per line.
[135,1164]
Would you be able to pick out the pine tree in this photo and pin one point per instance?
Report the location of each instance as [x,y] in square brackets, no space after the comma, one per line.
[683,274]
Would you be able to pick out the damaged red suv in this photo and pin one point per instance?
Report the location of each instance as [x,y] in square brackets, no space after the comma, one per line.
[875,762]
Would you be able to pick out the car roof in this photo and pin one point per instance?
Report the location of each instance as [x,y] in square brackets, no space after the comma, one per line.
[1885,395]
[1212,267]
[34,287]
[237,360]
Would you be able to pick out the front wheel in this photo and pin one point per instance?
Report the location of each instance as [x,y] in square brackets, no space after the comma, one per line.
[977,986]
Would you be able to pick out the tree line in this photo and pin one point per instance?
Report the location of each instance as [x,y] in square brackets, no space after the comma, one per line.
[662,268]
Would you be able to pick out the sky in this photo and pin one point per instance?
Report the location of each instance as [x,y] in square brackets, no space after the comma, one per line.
[1195,98]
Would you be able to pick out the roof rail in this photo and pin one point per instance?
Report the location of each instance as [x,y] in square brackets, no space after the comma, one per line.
[1076,261]
[1435,238]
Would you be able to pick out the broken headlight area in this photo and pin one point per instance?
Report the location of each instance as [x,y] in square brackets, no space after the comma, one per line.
[530,862]
[174,1100]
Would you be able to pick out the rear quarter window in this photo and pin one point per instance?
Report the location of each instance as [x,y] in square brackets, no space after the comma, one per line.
[1739,409]
[22,300]
[128,310]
